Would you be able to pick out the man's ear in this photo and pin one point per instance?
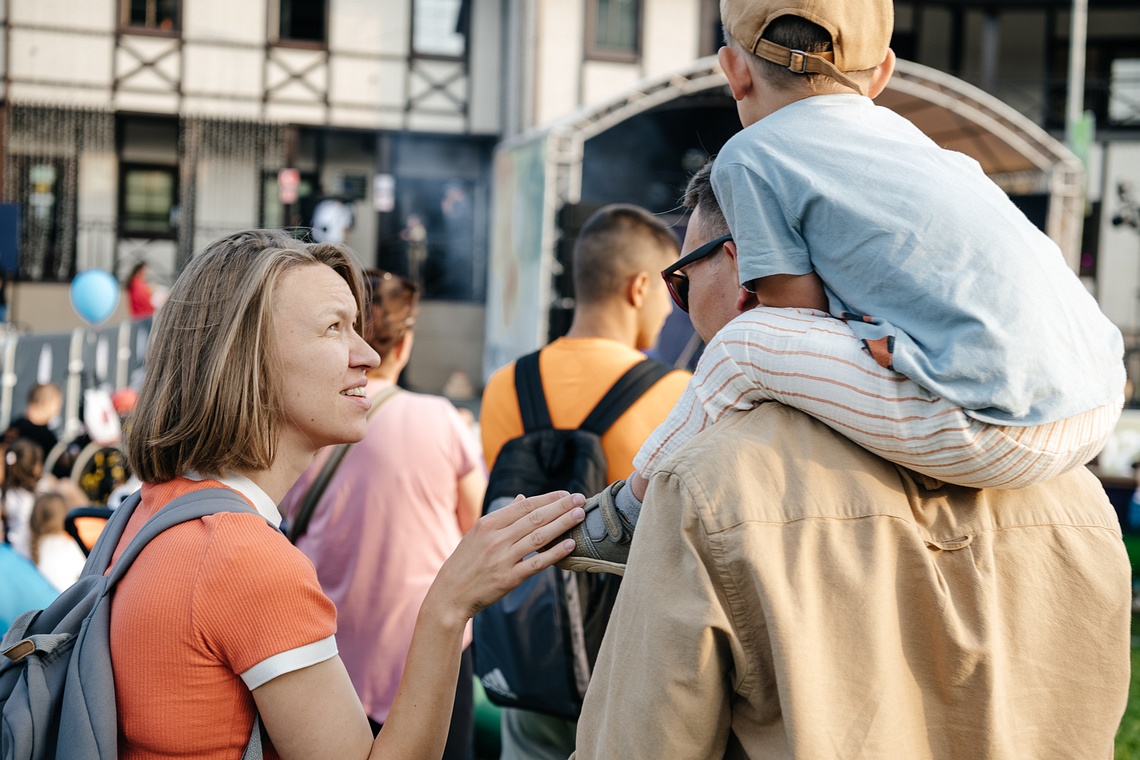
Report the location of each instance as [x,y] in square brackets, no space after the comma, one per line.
[745,299]
[736,71]
[638,289]
[881,75]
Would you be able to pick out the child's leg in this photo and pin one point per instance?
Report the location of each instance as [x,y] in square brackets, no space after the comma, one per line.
[716,389]
[813,362]
[1025,456]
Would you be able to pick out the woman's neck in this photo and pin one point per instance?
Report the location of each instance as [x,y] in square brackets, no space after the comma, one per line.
[281,475]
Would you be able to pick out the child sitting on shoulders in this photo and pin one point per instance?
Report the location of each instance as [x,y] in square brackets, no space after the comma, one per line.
[924,316]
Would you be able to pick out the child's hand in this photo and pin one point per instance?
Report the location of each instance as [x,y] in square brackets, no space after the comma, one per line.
[494,556]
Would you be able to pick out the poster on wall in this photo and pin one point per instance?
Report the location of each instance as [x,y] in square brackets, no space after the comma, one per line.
[518,280]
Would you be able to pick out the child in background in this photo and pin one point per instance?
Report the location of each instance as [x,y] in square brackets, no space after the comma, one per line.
[54,551]
[24,462]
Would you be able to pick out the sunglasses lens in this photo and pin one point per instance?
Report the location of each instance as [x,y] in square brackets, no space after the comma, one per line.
[679,289]
[678,283]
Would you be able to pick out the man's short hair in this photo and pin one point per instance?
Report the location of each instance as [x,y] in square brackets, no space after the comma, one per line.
[796,33]
[211,401]
[699,196]
[615,243]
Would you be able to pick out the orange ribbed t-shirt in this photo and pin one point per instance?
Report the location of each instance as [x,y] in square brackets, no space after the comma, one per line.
[204,602]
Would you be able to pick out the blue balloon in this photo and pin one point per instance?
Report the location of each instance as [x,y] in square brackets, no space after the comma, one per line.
[94,295]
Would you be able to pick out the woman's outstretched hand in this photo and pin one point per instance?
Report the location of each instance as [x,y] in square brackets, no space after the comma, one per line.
[502,550]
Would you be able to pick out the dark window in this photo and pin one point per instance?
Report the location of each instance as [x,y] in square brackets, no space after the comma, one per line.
[438,237]
[148,197]
[1090,241]
[46,187]
[613,29]
[1124,91]
[435,228]
[303,21]
[154,15]
[439,28]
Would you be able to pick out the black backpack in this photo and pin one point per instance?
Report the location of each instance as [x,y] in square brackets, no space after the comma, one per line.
[535,648]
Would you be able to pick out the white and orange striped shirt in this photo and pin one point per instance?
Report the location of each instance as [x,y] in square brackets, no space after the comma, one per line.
[813,362]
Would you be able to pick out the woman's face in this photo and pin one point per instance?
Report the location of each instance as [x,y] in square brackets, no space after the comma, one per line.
[323,361]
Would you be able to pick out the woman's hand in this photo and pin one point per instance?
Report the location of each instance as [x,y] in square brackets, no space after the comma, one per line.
[498,553]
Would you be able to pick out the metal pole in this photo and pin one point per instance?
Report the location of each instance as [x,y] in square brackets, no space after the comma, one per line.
[991,44]
[1075,101]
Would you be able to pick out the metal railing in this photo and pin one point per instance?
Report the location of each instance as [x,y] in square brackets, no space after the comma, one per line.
[107,358]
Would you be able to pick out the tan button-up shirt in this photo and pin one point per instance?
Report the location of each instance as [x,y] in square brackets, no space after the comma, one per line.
[790,595]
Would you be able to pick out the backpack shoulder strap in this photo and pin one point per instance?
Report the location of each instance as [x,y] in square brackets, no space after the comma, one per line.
[532,398]
[104,549]
[628,389]
[192,506]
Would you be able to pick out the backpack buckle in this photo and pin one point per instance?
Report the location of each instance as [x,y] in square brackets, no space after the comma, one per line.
[19,650]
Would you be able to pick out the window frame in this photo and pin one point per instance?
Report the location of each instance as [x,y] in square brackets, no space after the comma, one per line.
[123,230]
[126,27]
[415,54]
[590,48]
[277,40]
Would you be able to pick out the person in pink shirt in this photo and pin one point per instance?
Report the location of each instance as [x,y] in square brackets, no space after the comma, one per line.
[393,510]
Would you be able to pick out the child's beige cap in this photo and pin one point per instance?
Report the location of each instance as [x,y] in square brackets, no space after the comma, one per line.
[860,33]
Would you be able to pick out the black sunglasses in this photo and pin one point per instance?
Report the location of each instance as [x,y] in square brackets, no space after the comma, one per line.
[677,282]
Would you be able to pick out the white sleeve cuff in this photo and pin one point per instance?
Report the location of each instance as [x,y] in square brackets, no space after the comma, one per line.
[286,662]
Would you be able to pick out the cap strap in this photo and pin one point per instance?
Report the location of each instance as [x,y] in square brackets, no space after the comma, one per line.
[799,62]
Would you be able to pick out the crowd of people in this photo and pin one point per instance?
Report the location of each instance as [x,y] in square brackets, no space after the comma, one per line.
[861,528]
[40,558]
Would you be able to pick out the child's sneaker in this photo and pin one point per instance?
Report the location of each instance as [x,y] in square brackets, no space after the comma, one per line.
[602,544]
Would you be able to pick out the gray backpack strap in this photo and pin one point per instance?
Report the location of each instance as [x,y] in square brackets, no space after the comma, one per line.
[104,549]
[254,750]
[192,506]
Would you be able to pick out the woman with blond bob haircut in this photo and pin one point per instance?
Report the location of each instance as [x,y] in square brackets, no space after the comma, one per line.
[256,362]
[213,409]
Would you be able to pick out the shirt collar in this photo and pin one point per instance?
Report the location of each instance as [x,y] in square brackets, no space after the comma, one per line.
[250,490]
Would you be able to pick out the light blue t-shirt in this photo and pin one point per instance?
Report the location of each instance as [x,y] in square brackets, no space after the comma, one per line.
[22,587]
[974,303]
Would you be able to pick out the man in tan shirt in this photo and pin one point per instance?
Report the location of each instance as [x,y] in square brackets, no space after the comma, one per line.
[790,595]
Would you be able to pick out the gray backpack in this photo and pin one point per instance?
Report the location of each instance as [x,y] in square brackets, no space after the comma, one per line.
[57,691]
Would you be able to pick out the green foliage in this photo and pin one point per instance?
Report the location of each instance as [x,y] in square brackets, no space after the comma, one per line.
[1128,736]
[1132,545]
